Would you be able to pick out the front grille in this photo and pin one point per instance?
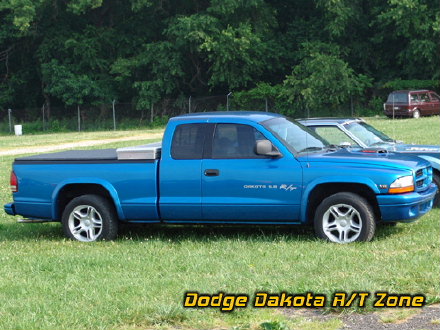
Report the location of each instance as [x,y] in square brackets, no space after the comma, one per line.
[423,178]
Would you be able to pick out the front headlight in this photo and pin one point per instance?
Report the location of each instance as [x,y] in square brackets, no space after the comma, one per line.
[402,185]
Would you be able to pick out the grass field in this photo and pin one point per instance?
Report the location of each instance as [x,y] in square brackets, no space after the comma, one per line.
[139,280]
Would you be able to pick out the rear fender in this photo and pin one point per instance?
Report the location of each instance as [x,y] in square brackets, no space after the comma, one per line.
[84,180]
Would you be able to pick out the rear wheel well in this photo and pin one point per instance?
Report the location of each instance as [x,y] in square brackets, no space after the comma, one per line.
[71,191]
[322,191]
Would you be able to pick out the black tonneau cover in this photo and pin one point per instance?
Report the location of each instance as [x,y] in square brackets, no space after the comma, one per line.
[73,156]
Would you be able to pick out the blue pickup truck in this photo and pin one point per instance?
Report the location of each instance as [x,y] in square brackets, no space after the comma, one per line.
[223,168]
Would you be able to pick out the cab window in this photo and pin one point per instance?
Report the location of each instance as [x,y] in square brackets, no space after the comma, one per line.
[235,141]
[188,141]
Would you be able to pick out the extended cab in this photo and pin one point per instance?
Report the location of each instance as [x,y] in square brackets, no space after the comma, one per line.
[227,168]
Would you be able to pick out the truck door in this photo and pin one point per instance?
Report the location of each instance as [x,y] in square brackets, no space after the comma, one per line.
[180,188]
[238,184]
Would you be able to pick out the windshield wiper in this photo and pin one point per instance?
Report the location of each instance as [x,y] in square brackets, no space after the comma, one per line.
[311,149]
[333,147]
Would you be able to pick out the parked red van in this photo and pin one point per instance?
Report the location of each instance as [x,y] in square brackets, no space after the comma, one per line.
[407,103]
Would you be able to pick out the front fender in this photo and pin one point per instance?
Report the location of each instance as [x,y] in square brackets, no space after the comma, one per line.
[85,180]
[435,162]
[336,180]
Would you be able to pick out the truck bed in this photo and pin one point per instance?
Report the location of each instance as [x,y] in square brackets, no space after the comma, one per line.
[144,153]
[73,155]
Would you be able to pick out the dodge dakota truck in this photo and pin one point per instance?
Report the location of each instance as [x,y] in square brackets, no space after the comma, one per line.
[224,168]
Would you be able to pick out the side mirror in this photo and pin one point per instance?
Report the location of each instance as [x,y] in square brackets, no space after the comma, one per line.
[265,148]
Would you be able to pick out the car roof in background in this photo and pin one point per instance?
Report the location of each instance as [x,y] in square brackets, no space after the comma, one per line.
[411,91]
[329,120]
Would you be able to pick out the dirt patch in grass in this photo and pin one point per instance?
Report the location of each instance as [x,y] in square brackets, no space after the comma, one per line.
[426,318]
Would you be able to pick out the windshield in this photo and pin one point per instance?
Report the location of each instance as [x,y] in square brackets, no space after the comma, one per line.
[295,136]
[367,134]
[398,98]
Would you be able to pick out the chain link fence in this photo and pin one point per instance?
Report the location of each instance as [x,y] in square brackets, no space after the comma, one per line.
[118,116]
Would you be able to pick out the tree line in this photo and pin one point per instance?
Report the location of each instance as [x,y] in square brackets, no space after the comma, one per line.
[299,53]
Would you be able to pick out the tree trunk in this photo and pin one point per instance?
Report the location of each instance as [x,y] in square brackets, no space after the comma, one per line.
[47,106]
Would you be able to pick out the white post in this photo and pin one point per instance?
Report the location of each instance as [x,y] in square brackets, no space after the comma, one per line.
[189,104]
[227,101]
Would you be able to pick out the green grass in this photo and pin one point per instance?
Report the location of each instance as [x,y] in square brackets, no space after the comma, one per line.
[139,280]
[424,130]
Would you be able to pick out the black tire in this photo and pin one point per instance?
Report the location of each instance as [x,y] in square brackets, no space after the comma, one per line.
[416,114]
[357,224]
[436,180]
[90,218]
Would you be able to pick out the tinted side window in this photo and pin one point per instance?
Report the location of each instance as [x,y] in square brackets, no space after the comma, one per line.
[398,98]
[414,98]
[434,97]
[235,141]
[188,141]
[424,97]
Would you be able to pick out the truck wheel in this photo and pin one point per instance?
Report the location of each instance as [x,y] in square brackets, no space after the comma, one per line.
[344,218]
[436,179]
[90,218]
[416,114]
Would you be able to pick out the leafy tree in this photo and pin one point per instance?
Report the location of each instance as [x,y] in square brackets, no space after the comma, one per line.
[322,80]
[71,88]
[415,34]
[143,51]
